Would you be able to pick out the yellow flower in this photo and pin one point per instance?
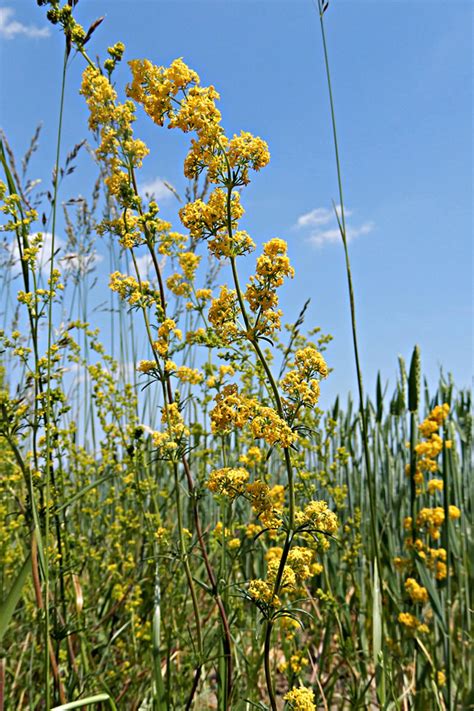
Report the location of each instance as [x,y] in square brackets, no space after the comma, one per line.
[222,314]
[210,219]
[435,485]
[189,262]
[317,515]
[146,366]
[260,591]
[253,456]
[247,151]
[408,620]
[262,504]
[297,662]
[268,425]
[454,513]
[301,699]
[228,481]
[416,591]
[100,96]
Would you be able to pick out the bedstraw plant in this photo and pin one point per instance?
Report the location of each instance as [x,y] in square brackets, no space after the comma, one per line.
[197,533]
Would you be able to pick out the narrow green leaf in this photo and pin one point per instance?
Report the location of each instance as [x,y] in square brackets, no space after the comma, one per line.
[89,701]
[377,614]
[7,607]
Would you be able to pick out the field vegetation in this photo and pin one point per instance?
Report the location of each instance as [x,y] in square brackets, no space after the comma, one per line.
[194,532]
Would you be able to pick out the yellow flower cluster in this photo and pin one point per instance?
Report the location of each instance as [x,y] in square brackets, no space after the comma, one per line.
[204,220]
[435,485]
[153,87]
[301,384]
[237,410]
[267,503]
[272,266]
[268,425]
[432,519]
[129,289]
[157,89]
[100,97]
[252,456]
[317,516]
[172,417]
[118,150]
[417,592]
[224,245]
[161,345]
[298,568]
[217,379]
[296,663]
[189,262]
[146,366]
[260,591]
[412,623]
[301,699]
[434,420]
[222,315]
[246,151]
[231,410]
[20,218]
[228,481]
[184,373]
[428,451]
[435,558]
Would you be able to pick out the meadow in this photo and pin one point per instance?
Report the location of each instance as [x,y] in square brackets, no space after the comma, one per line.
[194,532]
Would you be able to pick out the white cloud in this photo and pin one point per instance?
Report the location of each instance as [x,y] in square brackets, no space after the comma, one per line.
[319,216]
[321,237]
[10,28]
[145,264]
[157,188]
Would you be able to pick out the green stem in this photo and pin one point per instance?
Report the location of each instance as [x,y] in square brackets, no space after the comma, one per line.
[48,394]
[447,545]
[291,492]
[270,622]
[342,227]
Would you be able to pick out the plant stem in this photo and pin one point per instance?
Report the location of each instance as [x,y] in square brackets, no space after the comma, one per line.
[341,219]
[342,226]
[289,469]
[48,417]
[447,545]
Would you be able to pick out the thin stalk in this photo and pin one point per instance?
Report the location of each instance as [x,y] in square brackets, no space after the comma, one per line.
[189,578]
[227,639]
[341,219]
[413,439]
[270,623]
[448,598]
[342,226]
[48,391]
[291,492]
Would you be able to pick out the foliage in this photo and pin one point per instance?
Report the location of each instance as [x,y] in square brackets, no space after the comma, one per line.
[198,533]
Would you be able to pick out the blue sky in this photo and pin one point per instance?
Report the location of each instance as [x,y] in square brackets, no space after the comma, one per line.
[402,79]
